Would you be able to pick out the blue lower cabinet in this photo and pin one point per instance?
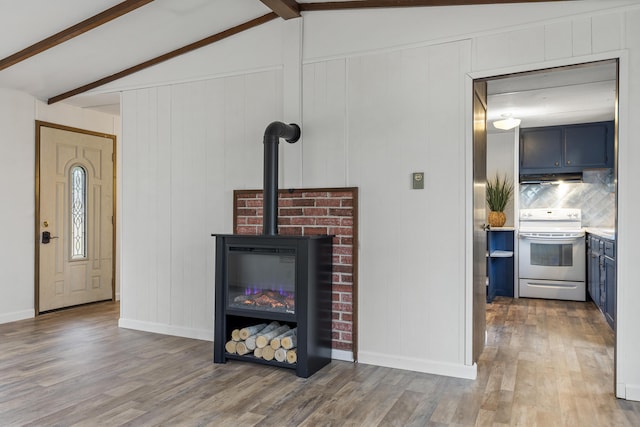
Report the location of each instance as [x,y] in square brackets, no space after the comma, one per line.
[601,275]
[500,263]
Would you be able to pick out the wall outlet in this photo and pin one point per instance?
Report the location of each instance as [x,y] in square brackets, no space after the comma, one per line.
[418,180]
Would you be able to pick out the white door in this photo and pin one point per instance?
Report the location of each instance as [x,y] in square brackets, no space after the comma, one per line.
[75,249]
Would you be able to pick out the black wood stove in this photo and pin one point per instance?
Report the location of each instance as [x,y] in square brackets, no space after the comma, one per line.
[269,277]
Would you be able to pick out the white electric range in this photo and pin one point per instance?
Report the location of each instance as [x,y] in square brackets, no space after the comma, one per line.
[551,254]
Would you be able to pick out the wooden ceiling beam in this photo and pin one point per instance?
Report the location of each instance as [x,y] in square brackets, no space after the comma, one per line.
[73,31]
[368,4]
[285,9]
[167,56]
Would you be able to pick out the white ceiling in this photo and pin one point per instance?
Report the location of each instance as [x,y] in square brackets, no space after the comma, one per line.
[571,95]
[145,33]
[567,95]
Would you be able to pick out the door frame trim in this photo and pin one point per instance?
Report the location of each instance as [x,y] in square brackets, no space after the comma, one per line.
[621,109]
[38,125]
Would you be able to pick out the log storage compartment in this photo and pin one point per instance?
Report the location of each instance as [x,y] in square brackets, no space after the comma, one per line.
[282,282]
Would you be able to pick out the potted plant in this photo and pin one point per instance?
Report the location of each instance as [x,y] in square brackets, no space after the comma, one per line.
[499,191]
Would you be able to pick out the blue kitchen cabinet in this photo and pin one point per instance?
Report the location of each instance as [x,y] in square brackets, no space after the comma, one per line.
[601,275]
[593,268]
[567,148]
[609,264]
[541,148]
[500,262]
[588,145]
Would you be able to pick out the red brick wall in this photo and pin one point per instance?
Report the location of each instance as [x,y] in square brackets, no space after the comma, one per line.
[316,211]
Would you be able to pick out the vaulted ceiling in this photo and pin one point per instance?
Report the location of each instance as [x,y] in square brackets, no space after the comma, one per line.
[56,49]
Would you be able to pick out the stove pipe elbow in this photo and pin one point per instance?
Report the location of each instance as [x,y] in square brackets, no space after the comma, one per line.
[272,135]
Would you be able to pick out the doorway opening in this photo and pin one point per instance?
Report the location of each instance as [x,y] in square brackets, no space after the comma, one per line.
[74,218]
[552,98]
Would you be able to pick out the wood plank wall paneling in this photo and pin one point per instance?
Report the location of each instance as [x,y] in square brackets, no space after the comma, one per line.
[187,146]
[303,212]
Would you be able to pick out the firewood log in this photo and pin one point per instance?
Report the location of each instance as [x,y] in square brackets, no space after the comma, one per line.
[251,330]
[263,339]
[257,353]
[230,346]
[241,348]
[292,356]
[289,342]
[281,354]
[268,353]
[235,335]
[251,340]
[275,342]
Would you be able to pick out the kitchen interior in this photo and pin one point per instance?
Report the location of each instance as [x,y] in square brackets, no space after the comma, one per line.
[555,141]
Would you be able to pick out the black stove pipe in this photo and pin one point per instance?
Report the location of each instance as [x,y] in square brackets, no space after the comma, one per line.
[272,135]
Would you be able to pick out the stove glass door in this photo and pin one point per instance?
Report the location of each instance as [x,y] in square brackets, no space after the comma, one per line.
[261,279]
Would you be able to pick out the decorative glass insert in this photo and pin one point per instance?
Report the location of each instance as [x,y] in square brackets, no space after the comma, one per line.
[78,212]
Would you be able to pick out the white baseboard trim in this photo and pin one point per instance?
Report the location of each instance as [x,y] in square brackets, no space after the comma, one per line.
[632,392]
[419,365]
[17,315]
[161,328]
[343,355]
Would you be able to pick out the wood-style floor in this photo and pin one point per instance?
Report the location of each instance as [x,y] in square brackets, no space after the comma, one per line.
[547,363]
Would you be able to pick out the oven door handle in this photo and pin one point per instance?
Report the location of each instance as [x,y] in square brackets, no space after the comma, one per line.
[551,239]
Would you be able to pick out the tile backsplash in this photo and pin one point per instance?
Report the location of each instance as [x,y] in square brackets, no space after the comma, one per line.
[595,196]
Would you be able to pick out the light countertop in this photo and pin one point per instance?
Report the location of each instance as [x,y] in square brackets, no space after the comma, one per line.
[607,233]
[502,229]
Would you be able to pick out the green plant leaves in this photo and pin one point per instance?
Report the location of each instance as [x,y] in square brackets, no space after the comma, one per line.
[499,191]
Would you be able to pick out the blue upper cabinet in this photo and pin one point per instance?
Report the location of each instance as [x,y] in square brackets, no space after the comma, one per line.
[541,148]
[589,145]
[566,149]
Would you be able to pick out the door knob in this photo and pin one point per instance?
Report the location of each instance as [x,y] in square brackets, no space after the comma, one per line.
[46,237]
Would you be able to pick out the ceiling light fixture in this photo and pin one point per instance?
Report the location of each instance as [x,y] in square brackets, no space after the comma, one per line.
[506,123]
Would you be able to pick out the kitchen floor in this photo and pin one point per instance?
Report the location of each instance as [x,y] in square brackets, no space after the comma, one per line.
[547,363]
[550,363]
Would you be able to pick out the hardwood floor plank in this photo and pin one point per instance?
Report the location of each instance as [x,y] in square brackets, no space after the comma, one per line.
[545,363]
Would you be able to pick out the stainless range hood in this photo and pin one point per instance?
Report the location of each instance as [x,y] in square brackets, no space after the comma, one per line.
[549,178]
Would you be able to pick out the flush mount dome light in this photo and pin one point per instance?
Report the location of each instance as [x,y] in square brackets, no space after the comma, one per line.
[506,123]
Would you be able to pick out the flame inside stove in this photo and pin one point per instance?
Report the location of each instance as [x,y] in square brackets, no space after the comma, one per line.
[258,297]
[255,290]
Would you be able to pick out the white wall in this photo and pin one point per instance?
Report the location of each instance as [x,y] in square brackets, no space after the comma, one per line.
[17,183]
[501,160]
[18,113]
[187,147]
[374,110]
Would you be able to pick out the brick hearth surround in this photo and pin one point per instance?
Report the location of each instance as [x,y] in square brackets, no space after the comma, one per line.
[315,211]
